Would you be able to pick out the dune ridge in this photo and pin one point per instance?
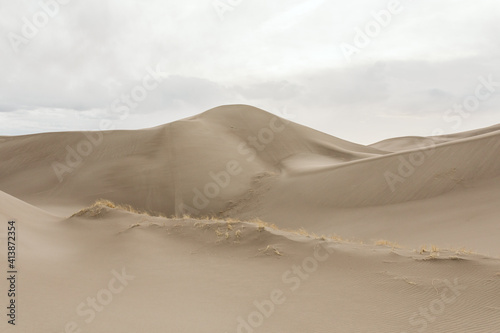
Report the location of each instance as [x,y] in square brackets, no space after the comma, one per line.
[249,222]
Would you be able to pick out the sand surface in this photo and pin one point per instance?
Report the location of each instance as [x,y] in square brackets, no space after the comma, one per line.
[399,236]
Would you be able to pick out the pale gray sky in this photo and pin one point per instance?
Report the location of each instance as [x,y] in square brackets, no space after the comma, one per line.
[65,66]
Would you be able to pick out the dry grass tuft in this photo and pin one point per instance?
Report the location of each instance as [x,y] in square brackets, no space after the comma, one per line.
[225,231]
[464,250]
[433,252]
[301,232]
[383,242]
[433,255]
[270,250]
[261,225]
[220,233]
[336,238]
[104,202]
[98,208]
[423,249]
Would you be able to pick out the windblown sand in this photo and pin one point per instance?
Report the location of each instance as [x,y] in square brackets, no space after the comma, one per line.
[399,236]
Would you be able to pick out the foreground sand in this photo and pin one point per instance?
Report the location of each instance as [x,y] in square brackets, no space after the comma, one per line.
[153,274]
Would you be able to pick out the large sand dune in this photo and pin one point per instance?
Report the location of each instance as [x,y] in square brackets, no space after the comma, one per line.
[158,169]
[238,163]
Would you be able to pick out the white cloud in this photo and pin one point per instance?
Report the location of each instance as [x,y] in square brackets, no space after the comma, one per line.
[268,54]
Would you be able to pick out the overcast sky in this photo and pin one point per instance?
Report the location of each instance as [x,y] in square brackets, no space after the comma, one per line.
[312,59]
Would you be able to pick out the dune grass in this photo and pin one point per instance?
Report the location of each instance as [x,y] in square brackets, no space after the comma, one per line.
[98,208]
[433,251]
[383,242]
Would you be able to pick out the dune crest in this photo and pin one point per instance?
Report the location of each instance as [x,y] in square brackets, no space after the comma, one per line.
[417,217]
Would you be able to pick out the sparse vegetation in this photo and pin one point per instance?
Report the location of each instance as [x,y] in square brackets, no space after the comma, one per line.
[383,242]
[433,252]
[270,250]
[228,229]
[464,251]
[433,255]
[99,206]
[261,225]
[336,238]
[301,232]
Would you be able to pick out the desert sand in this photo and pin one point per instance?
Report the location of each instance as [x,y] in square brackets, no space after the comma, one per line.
[236,220]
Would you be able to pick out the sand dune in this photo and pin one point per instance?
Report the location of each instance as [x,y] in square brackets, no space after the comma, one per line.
[357,266]
[217,272]
[418,142]
[160,168]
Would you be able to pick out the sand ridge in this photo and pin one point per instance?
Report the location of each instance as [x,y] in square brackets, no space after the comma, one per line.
[249,222]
